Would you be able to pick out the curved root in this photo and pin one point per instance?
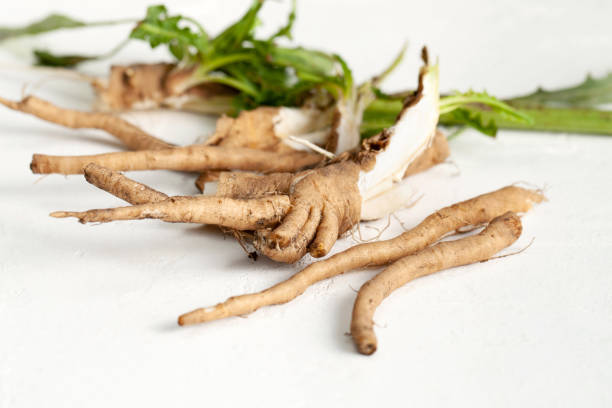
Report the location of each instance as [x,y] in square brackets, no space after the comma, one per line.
[478,210]
[499,234]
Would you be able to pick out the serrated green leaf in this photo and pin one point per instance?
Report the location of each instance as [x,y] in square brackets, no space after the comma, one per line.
[589,94]
[50,23]
[473,119]
[46,58]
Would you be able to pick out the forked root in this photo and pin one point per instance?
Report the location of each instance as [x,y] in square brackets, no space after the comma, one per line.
[133,137]
[238,214]
[499,234]
[121,186]
[190,158]
[476,211]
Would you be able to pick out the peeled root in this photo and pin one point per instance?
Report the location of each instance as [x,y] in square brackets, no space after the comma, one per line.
[499,234]
[120,186]
[238,214]
[476,211]
[133,137]
[194,158]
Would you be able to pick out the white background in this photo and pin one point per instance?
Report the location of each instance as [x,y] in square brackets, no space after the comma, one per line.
[87,313]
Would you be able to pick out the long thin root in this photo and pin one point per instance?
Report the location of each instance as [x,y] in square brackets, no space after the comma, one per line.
[238,214]
[133,137]
[500,233]
[194,158]
[121,186]
[478,210]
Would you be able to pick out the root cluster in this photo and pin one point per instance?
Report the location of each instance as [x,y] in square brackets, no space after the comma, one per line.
[292,201]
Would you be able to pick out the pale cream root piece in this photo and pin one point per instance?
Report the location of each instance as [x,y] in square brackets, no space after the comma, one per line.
[121,186]
[133,137]
[475,211]
[401,196]
[189,158]
[499,234]
[239,214]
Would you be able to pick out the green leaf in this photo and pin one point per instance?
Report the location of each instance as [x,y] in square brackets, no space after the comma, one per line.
[471,98]
[589,94]
[159,28]
[473,119]
[49,23]
[53,22]
[46,58]
[234,35]
[285,31]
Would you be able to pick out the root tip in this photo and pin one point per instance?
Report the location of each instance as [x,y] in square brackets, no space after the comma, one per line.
[367,348]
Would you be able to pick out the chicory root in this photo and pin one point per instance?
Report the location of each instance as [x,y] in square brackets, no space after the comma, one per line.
[239,214]
[476,211]
[437,153]
[195,158]
[499,234]
[121,186]
[131,136]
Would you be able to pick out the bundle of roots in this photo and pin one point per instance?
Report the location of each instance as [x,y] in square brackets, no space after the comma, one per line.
[295,180]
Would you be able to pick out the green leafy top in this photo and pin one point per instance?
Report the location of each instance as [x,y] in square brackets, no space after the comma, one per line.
[52,22]
[463,109]
[264,73]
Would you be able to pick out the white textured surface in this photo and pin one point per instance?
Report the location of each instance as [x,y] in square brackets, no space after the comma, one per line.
[88,312]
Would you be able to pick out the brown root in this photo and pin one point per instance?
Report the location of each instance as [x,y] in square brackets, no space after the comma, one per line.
[251,185]
[437,153]
[226,212]
[133,137]
[500,233]
[120,186]
[253,129]
[194,158]
[147,86]
[332,189]
[476,211]
[206,177]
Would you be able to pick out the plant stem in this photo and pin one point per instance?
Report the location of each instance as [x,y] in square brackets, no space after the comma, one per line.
[382,112]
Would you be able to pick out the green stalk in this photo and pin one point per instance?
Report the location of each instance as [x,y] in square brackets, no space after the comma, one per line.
[382,112]
[567,120]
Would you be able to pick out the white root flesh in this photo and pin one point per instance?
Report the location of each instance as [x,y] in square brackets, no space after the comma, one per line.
[412,133]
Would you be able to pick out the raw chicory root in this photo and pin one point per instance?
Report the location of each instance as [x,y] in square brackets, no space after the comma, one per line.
[243,184]
[437,153]
[476,211]
[133,137]
[121,186]
[325,203]
[499,234]
[239,214]
[189,158]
